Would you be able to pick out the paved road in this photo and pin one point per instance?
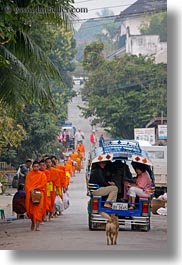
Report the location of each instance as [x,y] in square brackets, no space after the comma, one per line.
[70,231]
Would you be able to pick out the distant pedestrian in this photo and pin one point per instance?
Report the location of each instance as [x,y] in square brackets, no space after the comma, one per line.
[79,136]
[65,140]
[23,171]
[18,203]
[101,140]
[1,187]
[93,140]
[61,155]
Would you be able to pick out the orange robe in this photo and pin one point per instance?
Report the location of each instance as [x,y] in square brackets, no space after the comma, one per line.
[68,170]
[47,198]
[81,148]
[62,178]
[53,183]
[73,157]
[79,161]
[35,179]
[63,175]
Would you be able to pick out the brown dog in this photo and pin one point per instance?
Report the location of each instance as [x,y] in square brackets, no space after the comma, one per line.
[112,228]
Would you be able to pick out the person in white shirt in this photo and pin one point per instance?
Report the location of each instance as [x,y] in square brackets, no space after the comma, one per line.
[79,136]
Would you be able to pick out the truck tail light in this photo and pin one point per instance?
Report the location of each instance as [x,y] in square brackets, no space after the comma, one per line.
[95,206]
[145,208]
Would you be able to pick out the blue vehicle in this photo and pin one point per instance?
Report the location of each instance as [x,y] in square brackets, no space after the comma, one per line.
[117,152]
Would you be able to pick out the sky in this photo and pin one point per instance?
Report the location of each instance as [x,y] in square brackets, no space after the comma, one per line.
[95,6]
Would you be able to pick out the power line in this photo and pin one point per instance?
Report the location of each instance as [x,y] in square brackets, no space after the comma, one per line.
[101,7]
[96,18]
[104,17]
[121,86]
[124,5]
[85,1]
[98,25]
[107,7]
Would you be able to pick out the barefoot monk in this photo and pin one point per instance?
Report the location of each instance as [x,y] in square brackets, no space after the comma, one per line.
[35,181]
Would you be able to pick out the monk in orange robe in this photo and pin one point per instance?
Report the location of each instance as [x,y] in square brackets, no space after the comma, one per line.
[79,161]
[62,176]
[73,157]
[80,147]
[53,185]
[35,180]
[81,150]
[68,168]
[47,201]
[63,179]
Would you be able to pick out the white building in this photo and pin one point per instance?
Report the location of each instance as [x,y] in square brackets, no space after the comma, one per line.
[147,45]
[131,40]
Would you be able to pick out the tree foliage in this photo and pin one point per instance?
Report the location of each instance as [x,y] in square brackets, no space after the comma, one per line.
[126,93]
[157,26]
[104,28]
[41,121]
[93,56]
[25,70]
[34,70]
[11,133]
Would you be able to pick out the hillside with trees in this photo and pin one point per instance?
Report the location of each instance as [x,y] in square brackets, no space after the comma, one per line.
[104,28]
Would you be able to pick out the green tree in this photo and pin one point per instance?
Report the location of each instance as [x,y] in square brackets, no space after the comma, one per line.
[126,93]
[52,57]
[11,133]
[93,56]
[157,26]
[25,70]
[103,29]
[41,121]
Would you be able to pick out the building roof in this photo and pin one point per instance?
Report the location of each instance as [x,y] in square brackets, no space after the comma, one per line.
[144,6]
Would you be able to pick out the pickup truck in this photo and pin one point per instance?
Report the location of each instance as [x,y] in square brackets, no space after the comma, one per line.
[118,152]
[158,157]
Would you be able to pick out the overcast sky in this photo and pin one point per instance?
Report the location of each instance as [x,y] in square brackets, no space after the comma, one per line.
[95,6]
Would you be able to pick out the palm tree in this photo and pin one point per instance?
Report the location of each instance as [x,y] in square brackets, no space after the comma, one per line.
[25,69]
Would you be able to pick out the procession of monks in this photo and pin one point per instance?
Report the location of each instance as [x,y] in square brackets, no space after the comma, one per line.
[50,178]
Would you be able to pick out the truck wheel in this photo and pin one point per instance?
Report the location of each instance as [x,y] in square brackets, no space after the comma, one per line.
[134,227]
[145,228]
[90,224]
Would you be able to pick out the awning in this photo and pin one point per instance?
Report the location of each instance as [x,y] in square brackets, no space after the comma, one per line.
[141,159]
[102,158]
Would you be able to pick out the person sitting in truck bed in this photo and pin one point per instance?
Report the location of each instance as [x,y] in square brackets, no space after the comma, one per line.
[100,176]
[142,186]
[120,174]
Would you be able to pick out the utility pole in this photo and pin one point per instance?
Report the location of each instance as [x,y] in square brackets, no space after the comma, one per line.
[162,116]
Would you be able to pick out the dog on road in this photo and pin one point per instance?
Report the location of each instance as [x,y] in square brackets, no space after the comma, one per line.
[112,228]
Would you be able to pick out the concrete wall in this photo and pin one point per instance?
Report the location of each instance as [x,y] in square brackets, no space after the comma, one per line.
[147,45]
